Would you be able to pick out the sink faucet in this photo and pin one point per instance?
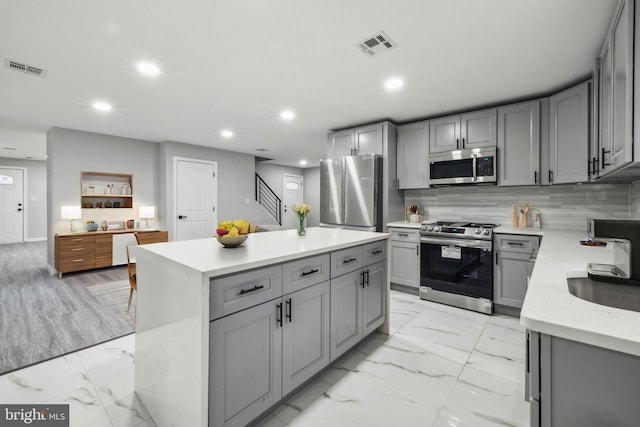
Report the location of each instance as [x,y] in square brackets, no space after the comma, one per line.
[625,235]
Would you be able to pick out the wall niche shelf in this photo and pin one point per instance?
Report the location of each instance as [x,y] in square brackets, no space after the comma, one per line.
[106,190]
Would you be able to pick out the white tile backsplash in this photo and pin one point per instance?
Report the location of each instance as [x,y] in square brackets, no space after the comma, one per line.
[561,206]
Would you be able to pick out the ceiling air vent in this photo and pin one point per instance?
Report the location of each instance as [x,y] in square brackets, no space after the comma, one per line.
[24,68]
[376,44]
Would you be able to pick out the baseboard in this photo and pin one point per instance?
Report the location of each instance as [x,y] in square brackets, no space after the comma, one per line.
[35,239]
[51,270]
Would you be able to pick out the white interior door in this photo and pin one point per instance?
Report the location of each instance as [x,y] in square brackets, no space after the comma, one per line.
[11,205]
[292,195]
[195,199]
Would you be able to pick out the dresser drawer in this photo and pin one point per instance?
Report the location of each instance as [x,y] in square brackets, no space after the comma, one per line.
[71,242]
[76,263]
[346,261]
[404,234]
[374,252]
[236,292]
[305,272]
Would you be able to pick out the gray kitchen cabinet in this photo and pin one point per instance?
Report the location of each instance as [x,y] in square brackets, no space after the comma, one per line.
[361,140]
[374,297]
[519,144]
[569,135]
[512,256]
[569,383]
[615,92]
[305,334]
[245,373]
[404,256]
[475,129]
[413,155]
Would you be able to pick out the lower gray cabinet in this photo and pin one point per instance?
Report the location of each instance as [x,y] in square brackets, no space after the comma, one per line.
[374,299]
[305,335]
[404,248]
[245,364]
[513,258]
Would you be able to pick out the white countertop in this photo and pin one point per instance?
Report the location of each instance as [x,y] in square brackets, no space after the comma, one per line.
[529,231]
[550,308]
[404,224]
[210,257]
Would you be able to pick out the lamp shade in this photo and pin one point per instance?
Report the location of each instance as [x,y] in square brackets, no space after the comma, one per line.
[70,212]
[147,212]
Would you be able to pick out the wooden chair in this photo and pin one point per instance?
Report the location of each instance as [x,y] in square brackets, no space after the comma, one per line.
[131,265]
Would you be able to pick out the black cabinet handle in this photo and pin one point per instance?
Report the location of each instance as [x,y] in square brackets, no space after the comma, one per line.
[462,142]
[376,252]
[550,176]
[457,143]
[520,244]
[255,288]
[595,165]
[347,261]
[497,258]
[367,273]
[604,163]
[306,273]
[418,250]
[362,276]
[288,312]
[279,314]
[182,217]
[535,177]
[403,235]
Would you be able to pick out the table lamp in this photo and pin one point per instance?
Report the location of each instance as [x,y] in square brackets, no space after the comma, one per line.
[70,213]
[147,212]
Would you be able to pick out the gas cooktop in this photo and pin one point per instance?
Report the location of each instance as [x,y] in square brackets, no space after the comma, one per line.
[460,229]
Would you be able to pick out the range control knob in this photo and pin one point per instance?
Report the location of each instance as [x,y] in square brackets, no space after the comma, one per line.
[436,229]
[429,228]
[486,231]
[478,231]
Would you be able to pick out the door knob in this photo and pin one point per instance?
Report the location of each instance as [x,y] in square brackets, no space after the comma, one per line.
[19,204]
[19,209]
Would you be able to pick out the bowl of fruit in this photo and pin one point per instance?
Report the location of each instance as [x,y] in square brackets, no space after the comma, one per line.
[232,234]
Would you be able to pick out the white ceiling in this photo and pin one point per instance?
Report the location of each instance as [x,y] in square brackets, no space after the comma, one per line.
[237,63]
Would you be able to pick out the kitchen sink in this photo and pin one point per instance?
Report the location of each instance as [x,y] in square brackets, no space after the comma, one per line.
[626,297]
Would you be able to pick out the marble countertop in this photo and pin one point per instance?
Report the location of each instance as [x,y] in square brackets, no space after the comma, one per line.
[550,308]
[210,257]
[529,231]
[404,224]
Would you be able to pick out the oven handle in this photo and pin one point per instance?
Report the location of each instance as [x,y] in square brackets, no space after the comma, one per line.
[465,243]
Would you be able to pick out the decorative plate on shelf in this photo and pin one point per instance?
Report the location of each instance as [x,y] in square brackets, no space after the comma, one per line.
[232,241]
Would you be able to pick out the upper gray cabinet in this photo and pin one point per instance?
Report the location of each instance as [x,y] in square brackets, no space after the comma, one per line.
[362,140]
[413,152]
[470,130]
[614,76]
[519,144]
[569,135]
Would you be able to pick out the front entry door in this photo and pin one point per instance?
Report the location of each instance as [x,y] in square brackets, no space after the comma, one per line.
[293,195]
[11,205]
[196,199]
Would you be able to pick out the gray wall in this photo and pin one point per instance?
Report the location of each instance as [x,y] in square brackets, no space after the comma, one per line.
[35,206]
[71,152]
[561,206]
[236,184]
[312,195]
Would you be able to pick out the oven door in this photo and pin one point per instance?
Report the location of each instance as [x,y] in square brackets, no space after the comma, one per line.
[458,266]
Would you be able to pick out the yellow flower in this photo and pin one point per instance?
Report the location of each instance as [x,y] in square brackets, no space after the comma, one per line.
[301,210]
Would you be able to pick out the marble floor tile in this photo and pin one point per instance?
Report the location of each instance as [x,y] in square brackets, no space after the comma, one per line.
[507,322]
[109,358]
[402,310]
[500,358]
[505,333]
[479,399]
[85,408]
[117,395]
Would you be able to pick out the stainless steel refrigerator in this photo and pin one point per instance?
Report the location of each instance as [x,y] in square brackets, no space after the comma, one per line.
[351,192]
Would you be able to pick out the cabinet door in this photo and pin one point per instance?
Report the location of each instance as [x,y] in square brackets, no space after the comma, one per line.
[478,129]
[340,143]
[346,312]
[413,155]
[104,250]
[519,144]
[444,134]
[569,135]
[510,278]
[622,89]
[374,297]
[245,364]
[405,263]
[305,335]
[368,139]
[605,111]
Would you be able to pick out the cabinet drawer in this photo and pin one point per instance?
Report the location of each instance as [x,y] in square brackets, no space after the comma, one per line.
[346,261]
[516,243]
[374,252]
[239,291]
[404,234]
[77,263]
[305,272]
[69,243]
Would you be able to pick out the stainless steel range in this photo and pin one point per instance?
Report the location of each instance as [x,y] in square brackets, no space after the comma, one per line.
[456,264]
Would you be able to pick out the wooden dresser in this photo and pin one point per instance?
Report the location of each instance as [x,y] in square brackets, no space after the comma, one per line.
[86,250]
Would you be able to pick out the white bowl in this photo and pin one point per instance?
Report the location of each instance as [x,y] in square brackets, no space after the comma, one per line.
[232,241]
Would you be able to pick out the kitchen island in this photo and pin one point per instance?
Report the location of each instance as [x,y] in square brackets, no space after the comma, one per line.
[224,334]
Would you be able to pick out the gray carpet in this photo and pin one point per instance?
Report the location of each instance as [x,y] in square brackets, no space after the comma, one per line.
[42,317]
[115,296]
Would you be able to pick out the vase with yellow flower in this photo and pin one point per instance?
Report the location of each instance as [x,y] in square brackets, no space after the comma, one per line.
[301,211]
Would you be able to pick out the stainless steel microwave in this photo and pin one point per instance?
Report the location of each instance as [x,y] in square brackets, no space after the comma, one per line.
[474,166]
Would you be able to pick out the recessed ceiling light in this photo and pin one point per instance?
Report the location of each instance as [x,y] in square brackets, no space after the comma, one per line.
[287,114]
[102,106]
[148,69]
[393,83]
[303,162]
[226,133]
